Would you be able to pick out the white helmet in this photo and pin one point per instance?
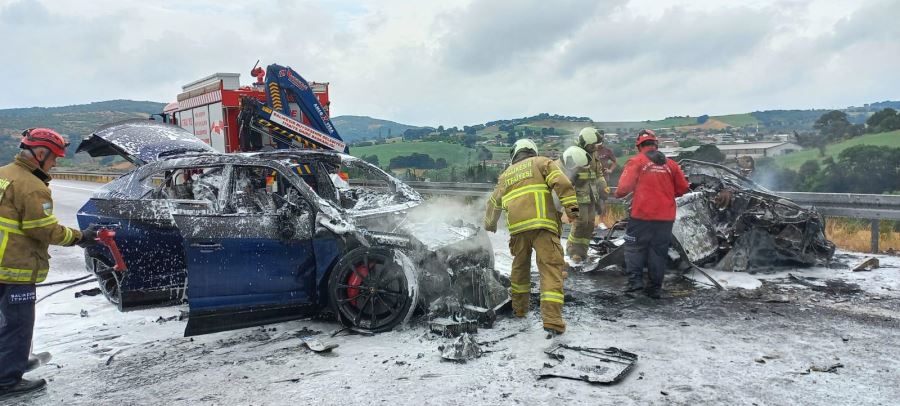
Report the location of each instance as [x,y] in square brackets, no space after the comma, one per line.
[575,157]
[587,136]
[524,143]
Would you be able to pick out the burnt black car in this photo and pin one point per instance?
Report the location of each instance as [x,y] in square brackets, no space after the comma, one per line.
[728,222]
[249,239]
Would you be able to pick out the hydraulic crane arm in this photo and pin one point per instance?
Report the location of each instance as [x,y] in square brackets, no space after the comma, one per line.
[274,117]
[281,81]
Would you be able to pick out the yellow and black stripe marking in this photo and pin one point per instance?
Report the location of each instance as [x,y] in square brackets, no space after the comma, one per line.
[289,135]
[275,95]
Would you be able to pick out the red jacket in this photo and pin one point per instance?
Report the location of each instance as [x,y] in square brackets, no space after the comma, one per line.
[655,187]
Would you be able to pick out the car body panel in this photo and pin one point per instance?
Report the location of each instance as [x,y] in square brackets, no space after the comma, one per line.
[254,237]
[142,141]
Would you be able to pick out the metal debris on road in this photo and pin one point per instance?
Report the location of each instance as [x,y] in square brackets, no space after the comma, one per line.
[452,327]
[602,366]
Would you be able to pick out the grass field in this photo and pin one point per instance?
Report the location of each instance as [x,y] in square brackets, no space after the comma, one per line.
[455,154]
[795,160]
[737,120]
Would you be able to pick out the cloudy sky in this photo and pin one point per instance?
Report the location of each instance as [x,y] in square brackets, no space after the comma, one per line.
[457,62]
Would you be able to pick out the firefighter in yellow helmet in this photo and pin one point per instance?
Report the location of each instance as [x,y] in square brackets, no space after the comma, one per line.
[576,165]
[591,188]
[524,192]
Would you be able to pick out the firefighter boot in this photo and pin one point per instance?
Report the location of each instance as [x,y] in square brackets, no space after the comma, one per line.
[521,303]
[22,387]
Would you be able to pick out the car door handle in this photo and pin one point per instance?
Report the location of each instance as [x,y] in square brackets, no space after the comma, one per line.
[207,247]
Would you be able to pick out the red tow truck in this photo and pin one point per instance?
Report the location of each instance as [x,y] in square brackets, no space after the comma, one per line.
[279,110]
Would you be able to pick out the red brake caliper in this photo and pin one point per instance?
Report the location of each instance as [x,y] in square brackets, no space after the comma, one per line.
[355,279]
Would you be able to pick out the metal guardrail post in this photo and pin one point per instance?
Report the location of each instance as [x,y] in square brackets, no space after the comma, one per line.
[875,235]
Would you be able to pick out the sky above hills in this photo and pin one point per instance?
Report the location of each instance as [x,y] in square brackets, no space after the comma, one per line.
[457,62]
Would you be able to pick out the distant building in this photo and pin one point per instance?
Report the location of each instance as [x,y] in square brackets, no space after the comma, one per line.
[758,149]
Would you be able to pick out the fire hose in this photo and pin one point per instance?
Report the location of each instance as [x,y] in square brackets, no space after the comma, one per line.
[105,237]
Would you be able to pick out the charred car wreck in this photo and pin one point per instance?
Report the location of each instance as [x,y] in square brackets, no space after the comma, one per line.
[729,222]
[250,239]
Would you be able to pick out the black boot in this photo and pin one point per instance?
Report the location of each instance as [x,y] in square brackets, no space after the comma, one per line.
[22,387]
[632,289]
[653,293]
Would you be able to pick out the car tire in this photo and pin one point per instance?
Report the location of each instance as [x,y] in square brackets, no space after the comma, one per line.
[373,289]
[109,280]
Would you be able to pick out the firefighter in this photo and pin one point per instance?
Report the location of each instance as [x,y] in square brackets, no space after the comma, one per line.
[27,227]
[606,159]
[577,165]
[655,181]
[592,186]
[524,191]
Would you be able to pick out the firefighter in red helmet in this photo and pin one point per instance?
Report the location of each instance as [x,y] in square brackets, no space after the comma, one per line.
[655,182]
[27,227]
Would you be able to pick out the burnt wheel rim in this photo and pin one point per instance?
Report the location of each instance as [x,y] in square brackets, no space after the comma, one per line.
[110,281]
[372,292]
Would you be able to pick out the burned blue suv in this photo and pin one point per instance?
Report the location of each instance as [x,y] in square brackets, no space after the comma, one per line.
[256,238]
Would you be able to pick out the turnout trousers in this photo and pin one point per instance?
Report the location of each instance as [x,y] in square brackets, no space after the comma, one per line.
[582,230]
[647,243]
[550,265]
[16,329]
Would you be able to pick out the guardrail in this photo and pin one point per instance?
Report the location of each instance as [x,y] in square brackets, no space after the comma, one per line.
[85,176]
[851,205]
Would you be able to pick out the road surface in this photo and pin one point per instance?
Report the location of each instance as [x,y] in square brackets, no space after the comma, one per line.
[759,345]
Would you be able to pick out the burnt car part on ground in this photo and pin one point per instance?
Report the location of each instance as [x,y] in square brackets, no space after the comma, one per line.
[602,366]
[730,223]
[250,239]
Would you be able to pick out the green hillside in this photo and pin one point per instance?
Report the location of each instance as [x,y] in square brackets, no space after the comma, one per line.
[793,161]
[737,120]
[455,154]
[354,128]
[72,121]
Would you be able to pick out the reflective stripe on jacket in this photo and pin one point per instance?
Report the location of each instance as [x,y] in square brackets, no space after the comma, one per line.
[27,224]
[523,191]
[590,185]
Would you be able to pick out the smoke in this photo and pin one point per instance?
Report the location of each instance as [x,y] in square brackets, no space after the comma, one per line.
[442,209]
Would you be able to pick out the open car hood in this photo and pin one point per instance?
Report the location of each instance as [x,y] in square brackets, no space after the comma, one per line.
[142,141]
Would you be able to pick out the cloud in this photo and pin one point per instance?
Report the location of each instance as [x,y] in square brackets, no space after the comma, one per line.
[459,62]
[491,35]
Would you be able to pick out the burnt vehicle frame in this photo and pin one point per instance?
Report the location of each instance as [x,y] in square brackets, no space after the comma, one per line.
[255,238]
[729,222]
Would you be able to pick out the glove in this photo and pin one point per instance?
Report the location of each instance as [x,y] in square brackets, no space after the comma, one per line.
[572,213]
[88,236]
[490,229]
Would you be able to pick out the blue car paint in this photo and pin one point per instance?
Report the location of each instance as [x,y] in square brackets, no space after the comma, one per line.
[250,272]
[328,251]
[153,255]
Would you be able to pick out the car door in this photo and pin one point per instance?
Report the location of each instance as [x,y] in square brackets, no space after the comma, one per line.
[151,247]
[146,233]
[250,261]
